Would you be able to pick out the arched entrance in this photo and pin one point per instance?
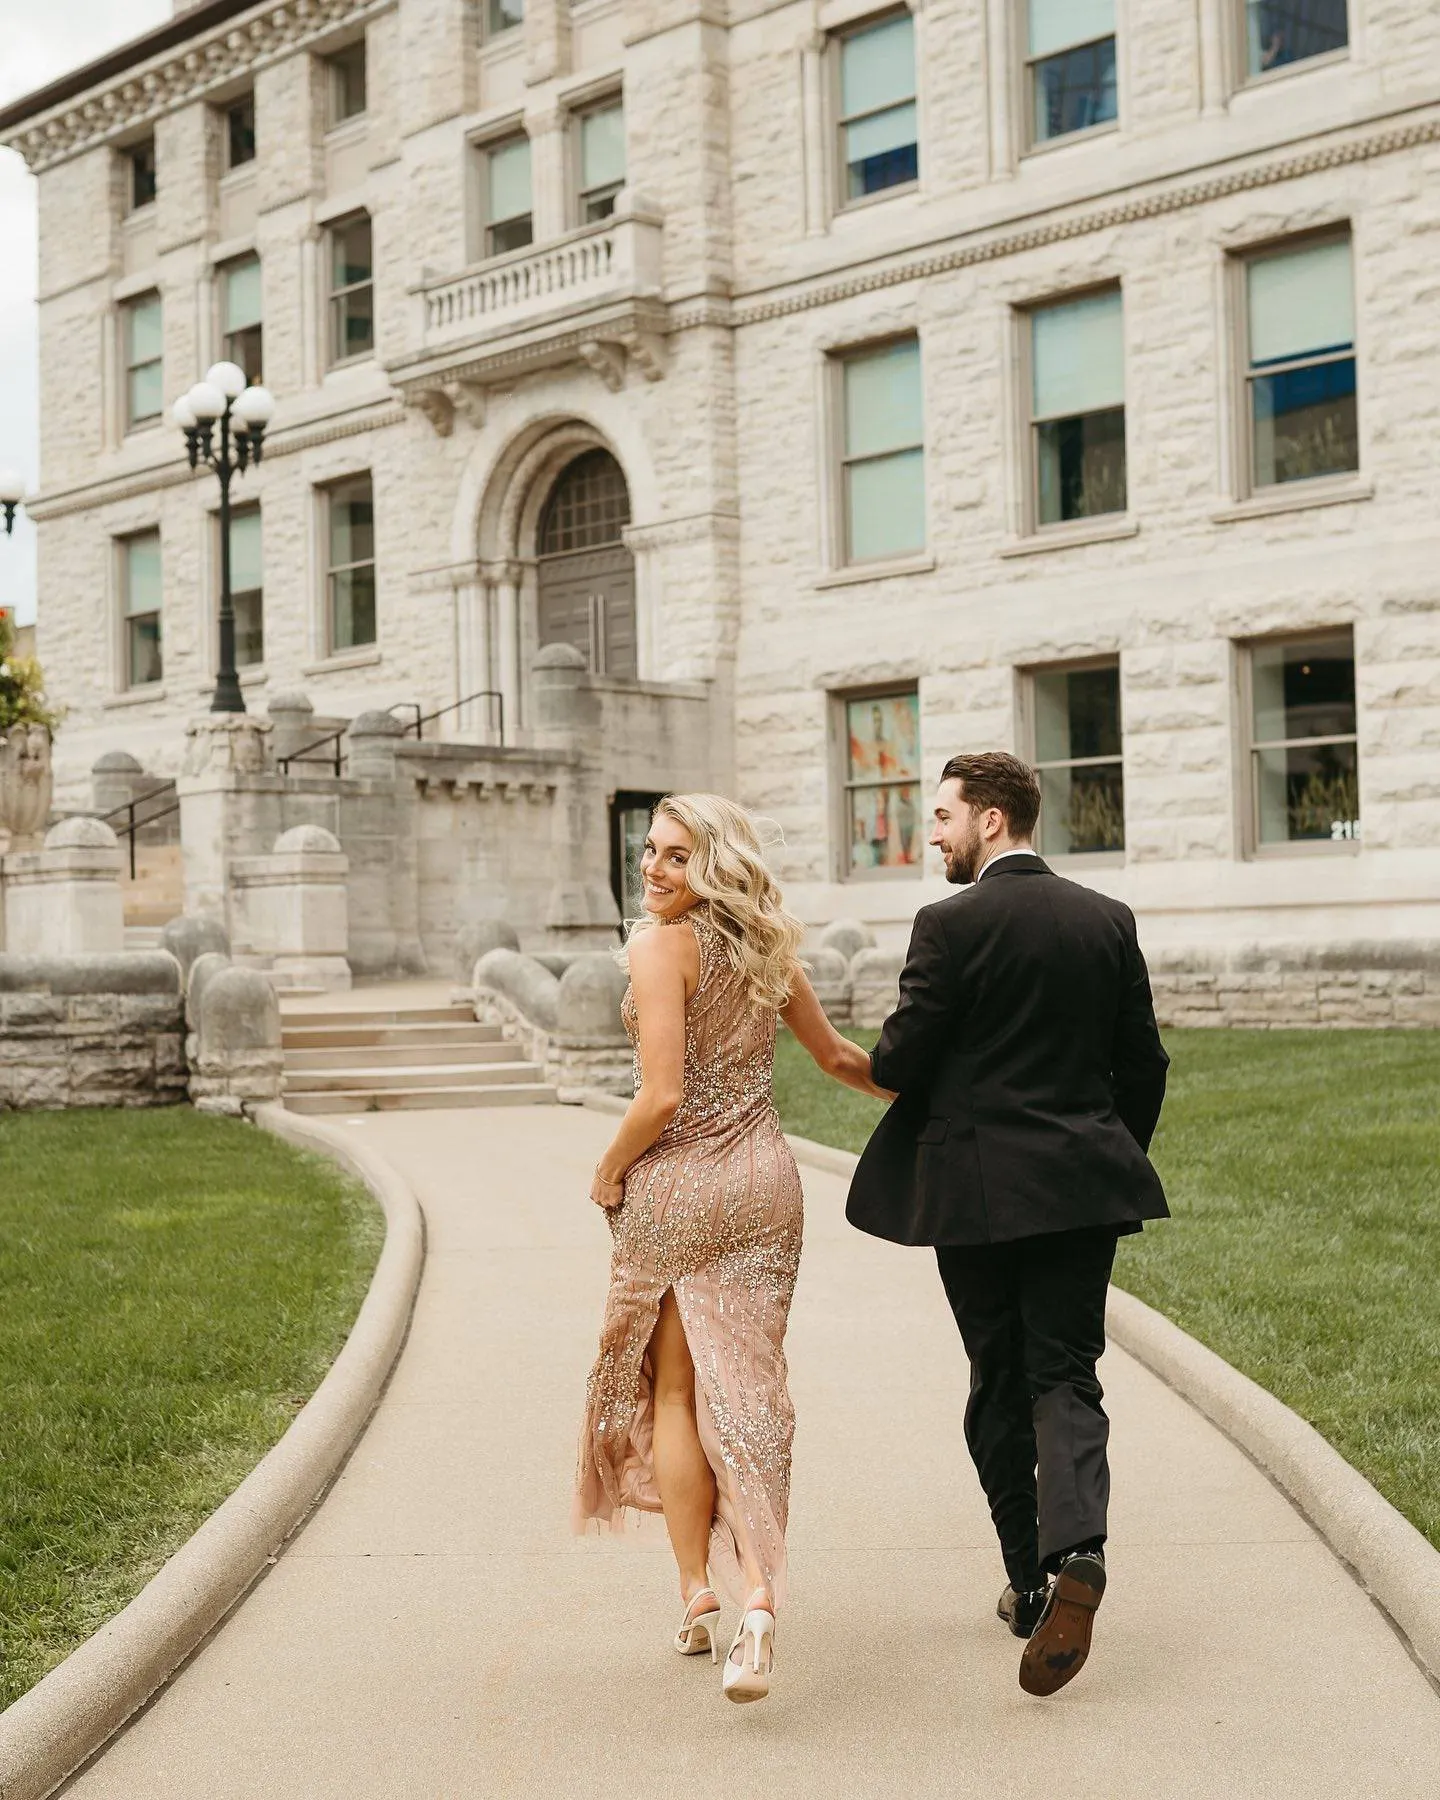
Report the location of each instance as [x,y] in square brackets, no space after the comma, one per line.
[585,574]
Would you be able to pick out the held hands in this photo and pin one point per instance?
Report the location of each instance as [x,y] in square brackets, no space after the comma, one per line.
[606,1194]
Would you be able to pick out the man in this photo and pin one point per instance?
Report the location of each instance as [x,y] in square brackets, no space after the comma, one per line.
[1030,1075]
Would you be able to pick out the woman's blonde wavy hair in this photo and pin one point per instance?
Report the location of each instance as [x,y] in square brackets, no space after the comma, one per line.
[727,873]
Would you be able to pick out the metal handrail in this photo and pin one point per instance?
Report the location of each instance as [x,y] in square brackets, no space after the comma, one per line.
[303,753]
[131,828]
[128,806]
[421,720]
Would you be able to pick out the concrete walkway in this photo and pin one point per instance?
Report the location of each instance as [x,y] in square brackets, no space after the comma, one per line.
[435,1633]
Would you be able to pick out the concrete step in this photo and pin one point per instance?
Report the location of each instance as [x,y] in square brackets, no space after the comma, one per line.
[142,937]
[398,1056]
[402,1099]
[476,1075]
[340,1037]
[316,1016]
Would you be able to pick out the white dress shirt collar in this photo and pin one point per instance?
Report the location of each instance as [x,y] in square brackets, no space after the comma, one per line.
[1027,851]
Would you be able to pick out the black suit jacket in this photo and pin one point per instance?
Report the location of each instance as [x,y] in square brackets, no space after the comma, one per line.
[1028,1065]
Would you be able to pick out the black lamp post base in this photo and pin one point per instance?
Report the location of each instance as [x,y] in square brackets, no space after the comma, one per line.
[228,698]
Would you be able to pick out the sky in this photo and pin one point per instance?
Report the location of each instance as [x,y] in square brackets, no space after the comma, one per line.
[38,43]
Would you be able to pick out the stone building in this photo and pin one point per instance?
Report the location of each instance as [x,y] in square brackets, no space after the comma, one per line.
[871,383]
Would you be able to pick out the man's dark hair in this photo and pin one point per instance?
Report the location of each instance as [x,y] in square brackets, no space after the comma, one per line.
[995,778]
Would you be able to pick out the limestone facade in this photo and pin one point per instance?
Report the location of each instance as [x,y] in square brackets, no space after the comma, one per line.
[697,333]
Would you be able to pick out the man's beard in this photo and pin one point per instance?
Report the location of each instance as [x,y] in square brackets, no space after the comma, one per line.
[965,865]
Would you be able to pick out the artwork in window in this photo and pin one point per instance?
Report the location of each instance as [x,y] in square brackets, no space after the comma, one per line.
[352,292]
[1278,32]
[1077,754]
[507,211]
[144,377]
[141,598]
[1303,741]
[247,587]
[884,817]
[1072,66]
[878,133]
[884,458]
[1301,318]
[352,564]
[348,97]
[1077,356]
[240,132]
[142,174]
[240,314]
[602,161]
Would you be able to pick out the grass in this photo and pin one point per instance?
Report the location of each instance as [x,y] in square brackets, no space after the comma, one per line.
[175,1287]
[1303,1170]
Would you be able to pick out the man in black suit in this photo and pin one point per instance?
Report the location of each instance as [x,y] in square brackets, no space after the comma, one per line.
[1029,1074]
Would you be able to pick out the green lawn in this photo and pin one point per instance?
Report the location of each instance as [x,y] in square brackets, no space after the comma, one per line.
[1303,1169]
[174,1288]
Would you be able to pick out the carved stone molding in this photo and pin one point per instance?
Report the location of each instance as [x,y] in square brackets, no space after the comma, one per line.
[607,360]
[694,528]
[442,402]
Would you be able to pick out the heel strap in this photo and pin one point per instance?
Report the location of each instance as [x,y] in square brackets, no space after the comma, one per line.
[694,1610]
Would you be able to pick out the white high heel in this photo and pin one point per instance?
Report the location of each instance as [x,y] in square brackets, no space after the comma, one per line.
[749,1679]
[697,1629]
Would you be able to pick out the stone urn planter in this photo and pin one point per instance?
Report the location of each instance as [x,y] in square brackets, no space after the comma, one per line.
[27,785]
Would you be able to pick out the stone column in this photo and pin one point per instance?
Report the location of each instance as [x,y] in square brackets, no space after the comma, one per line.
[292,723]
[581,910]
[291,910]
[374,738]
[507,630]
[116,778]
[64,899]
[548,197]
[817,144]
[224,810]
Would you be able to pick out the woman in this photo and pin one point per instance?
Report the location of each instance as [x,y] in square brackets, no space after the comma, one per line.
[687,1411]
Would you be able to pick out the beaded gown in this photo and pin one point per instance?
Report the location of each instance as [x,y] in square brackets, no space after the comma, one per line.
[713,1210]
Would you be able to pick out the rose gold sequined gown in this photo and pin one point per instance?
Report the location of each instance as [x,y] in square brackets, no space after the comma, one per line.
[712,1210]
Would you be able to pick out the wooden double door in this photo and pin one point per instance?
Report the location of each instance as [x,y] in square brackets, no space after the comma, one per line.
[586,574]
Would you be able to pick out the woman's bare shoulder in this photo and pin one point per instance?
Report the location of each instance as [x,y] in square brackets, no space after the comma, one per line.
[660,949]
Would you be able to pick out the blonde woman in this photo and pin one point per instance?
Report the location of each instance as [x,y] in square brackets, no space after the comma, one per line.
[687,1411]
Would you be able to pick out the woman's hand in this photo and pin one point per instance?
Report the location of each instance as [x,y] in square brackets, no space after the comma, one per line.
[835,1055]
[607,1194]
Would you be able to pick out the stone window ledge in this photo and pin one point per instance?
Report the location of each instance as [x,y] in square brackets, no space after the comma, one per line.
[252,675]
[346,659]
[141,696]
[1264,853]
[875,571]
[1303,495]
[1070,536]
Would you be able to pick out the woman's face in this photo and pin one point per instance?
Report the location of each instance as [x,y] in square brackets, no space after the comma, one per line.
[662,866]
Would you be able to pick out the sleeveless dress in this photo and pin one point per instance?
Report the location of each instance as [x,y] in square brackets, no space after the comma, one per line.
[713,1210]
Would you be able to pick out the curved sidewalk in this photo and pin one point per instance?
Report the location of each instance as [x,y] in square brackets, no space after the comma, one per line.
[435,1633]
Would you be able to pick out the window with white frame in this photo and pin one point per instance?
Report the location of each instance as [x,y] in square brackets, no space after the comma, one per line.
[348,83]
[350,563]
[1281,32]
[141,341]
[140,597]
[600,156]
[1077,408]
[352,288]
[1074,714]
[241,332]
[240,132]
[879,144]
[508,221]
[1300,363]
[882,453]
[502,16]
[247,586]
[1069,67]
[1303,769]
[881,820]
[140,186]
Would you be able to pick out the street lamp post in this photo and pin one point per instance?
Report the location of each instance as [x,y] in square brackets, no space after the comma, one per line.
[12,493]
[242,413]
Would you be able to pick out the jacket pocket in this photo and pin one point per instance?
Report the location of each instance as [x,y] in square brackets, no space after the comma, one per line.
[933,1131]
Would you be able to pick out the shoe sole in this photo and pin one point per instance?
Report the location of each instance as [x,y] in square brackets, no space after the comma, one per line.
[1060,1644]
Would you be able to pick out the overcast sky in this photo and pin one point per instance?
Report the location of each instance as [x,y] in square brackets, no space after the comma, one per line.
[41,40]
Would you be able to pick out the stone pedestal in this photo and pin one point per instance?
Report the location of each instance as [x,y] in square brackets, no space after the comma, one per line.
[581,909]
[289,910]
[64,899]
[26,786]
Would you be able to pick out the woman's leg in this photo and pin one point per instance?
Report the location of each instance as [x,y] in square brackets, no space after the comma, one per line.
[682,1470]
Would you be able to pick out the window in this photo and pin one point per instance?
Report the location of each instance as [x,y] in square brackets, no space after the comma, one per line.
[1075,724]
[144,381]
[350,580]
[347,83]
[352,289]
[879,148]
[502,15]
[1070,67]
[1278,32]
[240,132]
[1077,398]
[1300,321]
[240,314]
[602,160]
[883,454]
[883,823]
[507,196]
[1304,778]
[141,158]
[140,605]
[247,587]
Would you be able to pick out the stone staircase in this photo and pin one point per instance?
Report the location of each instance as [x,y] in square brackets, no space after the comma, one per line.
[402,1057]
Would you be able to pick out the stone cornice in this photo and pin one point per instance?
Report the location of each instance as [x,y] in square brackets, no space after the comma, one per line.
[187,73]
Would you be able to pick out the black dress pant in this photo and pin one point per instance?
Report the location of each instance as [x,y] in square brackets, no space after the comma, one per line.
[1032,1315]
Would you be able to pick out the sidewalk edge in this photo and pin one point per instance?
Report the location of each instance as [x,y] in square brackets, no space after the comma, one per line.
[1395,1564]
[74,1710]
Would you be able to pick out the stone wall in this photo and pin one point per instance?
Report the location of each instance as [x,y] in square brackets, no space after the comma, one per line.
[1376,985]
[91,1031]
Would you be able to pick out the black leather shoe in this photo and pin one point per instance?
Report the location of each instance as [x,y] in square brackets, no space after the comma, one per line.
[1061,1641]
[1021,1612]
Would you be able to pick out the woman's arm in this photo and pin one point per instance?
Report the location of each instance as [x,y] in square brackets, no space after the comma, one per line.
[664,971]
[834,1054]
